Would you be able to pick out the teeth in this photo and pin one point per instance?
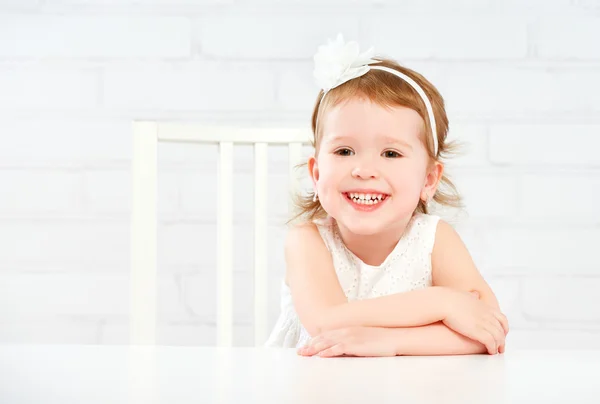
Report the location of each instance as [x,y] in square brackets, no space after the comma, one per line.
[366,199]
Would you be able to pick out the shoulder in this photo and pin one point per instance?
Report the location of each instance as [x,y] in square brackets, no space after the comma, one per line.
[450,253]
[303,243]
[453,266]
[445,235]
[300,233]
[307,230]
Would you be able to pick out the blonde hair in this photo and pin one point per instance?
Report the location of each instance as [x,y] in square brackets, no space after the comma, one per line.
[387,90]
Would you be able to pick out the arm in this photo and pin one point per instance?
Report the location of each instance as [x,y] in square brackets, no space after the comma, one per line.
[434,339]
[321,303]
[453,267]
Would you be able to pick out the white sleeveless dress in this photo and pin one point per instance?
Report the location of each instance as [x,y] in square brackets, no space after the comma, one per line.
[408,267]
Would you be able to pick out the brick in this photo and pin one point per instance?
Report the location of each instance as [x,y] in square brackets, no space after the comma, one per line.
[138,4]
[508,292]
[95,36]
[63,241]
[192,87]
[543,249]
[48,89]
[170,300]
[495,39]
[576,196]
[471,235]
[178,245]
[60,141]
[202,158]
[63,294]
[473,146]
[109,191]
[179,334]
[414,7]
[200,195]
[515,91]
[19,5]
[219,36]
[297,89]
[566,38]
[487,193]
[39,191]
[578,302]
[201,294]
[549,145]
[83,296]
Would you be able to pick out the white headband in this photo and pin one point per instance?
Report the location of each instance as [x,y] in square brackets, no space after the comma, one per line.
[338,62]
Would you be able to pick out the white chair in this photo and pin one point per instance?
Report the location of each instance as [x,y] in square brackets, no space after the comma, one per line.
[146,136]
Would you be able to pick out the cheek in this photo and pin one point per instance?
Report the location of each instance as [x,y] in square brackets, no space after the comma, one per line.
[328,172]
[409,181]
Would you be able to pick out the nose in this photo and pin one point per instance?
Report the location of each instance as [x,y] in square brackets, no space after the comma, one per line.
[364,172]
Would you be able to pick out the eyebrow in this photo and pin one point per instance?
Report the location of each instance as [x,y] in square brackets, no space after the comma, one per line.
[387,139]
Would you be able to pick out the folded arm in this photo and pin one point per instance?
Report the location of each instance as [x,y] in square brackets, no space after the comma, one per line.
[452,267]
[434,339]
[322,305]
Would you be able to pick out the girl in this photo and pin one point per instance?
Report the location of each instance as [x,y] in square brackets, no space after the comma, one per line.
[369,272]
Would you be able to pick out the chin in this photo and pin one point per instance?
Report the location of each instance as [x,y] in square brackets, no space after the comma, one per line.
[363,227]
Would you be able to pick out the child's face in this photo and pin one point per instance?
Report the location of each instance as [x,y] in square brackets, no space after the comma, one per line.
[372,165]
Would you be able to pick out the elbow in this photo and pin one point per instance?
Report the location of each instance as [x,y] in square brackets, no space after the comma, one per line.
[313,329]
[319,323]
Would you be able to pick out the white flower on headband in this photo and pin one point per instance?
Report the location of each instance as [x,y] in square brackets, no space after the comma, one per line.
[337,62]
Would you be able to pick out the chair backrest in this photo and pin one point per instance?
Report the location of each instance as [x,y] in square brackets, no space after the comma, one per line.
[146,136]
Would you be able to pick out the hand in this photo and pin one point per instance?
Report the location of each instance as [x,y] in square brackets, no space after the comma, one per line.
[353,341]
[474,319]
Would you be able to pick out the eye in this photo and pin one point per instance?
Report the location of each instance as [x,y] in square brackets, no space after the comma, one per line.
[391,154]
[344,152]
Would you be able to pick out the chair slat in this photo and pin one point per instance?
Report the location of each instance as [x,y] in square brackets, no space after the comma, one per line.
[142,321]
[144,218]
[260,242]
[225,246]
[182,132]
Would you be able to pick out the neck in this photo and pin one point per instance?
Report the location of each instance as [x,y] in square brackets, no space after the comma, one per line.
[373,249]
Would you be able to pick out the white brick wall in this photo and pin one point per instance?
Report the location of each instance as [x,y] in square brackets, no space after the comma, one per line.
[519,79]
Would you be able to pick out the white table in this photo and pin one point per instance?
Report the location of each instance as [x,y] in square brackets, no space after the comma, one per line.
[65,374]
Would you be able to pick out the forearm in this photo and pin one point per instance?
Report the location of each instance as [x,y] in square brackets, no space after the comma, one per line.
[410,309]
[435,339]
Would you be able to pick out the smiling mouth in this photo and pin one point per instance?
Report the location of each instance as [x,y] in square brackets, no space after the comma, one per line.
[366,199]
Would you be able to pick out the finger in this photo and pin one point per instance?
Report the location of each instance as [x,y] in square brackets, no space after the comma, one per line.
[503,320]
[321,346]
[487,339]
[309,347]
[335,350]
[495,328]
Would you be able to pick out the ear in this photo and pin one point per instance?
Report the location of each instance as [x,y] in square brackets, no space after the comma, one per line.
[313,170]
[432,180]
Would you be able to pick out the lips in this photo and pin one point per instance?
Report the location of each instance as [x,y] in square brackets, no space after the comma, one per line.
[366,201]
[366,198]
